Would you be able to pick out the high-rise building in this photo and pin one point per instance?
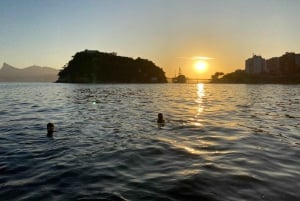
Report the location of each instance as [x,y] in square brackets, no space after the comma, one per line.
[273,65]
[287,63]
[256,65]
[297,58]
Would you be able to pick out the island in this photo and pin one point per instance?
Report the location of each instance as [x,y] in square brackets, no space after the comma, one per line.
[93,66]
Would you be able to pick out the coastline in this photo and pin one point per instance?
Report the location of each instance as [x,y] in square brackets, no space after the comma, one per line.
[243,78]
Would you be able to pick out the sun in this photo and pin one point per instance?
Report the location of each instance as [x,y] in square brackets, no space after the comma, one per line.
[200,66]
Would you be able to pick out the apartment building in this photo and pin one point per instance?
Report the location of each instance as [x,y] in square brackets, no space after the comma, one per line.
[256,65]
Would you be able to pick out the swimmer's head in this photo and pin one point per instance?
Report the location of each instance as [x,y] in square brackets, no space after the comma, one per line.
[50,129]
[160,118]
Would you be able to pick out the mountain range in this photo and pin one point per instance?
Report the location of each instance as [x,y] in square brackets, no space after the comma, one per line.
[34,73]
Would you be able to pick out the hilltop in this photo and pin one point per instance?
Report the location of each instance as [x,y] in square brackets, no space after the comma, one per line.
[34,73]
[92,66]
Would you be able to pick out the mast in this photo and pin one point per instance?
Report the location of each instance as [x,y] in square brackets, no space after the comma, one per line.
[179,73]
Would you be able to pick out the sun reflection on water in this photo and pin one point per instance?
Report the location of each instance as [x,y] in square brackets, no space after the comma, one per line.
[198,148]
[200,95]
[200,106]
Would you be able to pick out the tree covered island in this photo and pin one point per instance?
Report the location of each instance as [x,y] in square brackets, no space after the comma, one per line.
[91,66]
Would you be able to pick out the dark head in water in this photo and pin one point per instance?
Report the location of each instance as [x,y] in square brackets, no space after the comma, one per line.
[50,129]
[160,118]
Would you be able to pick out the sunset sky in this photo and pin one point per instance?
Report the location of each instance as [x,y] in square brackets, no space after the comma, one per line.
[171,33]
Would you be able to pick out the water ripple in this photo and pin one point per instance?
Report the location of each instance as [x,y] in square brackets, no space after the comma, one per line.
[219,142]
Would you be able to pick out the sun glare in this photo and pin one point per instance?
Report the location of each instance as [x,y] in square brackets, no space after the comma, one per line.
[200,66]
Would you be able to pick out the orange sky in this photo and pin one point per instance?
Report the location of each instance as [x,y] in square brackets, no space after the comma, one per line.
[168,32]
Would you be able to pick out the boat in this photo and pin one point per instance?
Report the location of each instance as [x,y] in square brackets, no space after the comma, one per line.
[180,78]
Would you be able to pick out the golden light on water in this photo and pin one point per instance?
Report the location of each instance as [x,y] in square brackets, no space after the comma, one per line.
[189,146]
[200,95]
[200,106]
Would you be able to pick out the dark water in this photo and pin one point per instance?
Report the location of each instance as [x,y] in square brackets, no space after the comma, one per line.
[220,142]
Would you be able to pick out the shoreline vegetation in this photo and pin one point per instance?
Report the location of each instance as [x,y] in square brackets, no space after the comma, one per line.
[92,66]
[241,77]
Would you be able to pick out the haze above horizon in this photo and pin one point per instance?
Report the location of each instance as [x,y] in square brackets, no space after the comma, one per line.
[171,33]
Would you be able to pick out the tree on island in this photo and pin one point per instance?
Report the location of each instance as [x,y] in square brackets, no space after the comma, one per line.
[98,67]
[216,76]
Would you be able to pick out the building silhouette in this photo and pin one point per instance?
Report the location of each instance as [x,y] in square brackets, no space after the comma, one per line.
[256,65]
[289,63]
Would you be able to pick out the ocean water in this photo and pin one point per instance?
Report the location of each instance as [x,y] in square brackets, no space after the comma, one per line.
[219,142]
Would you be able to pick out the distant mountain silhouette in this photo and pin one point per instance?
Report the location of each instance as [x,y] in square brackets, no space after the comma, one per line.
[9,73]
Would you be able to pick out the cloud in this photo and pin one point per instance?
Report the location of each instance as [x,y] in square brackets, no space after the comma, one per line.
[196,58]
[201,58]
